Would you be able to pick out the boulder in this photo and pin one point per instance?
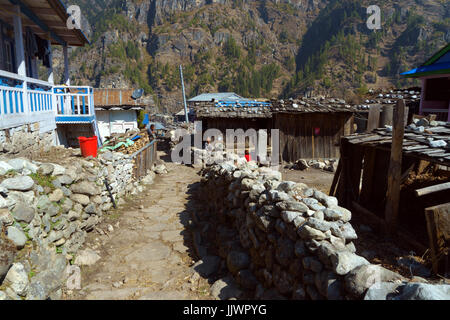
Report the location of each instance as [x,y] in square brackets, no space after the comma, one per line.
[17,279]
[382,291]
[6,218]
[65,179]
[292,206]
[80,198]
[320,225]
[423,291]
[7,254]
[343,262]
[207,266]
[86,188]
[58,170]
[23,213]
[225,289]
[56,195]
[17,164]
[289,216]
[307,233]
[363,277]
[46,169]
[20,183]
[87,257]
[5,167]
[17,236]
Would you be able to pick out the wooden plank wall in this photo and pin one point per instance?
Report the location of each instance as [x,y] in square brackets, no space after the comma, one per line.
[223,124]
[298,139]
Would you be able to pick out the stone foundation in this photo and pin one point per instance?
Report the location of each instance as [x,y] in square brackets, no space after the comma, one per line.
[26,139]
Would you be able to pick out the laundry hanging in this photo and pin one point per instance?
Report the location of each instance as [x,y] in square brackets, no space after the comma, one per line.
[44,51]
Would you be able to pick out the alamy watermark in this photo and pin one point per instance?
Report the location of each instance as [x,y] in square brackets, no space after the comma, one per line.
[237,141]
[374,20]
[73,274]
[74,21]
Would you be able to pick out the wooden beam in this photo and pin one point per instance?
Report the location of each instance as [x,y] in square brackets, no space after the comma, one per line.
[433,189]
[438,226]
[36,10]
[395,168]
[33,17]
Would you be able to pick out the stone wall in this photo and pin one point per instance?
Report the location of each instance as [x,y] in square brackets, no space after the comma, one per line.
[46,211]
[284,240]
[26,138]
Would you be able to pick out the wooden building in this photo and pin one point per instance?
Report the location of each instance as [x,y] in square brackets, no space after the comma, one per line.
[396,186]
[116,110]
[223,115]
[435,76]
[28,31]
[310,129]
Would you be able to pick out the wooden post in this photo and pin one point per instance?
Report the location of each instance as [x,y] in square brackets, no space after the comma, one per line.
[438,226]
[395,168]
[66,66]
[50,70]
[18,37]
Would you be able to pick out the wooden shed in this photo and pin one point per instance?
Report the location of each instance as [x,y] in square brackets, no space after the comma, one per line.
[310,131]
[393,181]
[234,115]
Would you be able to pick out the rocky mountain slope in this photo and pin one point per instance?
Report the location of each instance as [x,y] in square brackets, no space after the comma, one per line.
[265,48]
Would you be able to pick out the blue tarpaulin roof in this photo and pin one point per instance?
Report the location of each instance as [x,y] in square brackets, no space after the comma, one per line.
[242,103]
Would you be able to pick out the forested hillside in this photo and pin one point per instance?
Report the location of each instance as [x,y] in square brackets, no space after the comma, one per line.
[255,48]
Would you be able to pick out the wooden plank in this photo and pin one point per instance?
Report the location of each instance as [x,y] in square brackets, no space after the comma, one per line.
[374,118]
[336,179]
[432,189]
[395,167]
[438,226]
[355,166]
[368,174]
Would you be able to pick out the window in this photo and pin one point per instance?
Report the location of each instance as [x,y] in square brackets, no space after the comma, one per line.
[9,56]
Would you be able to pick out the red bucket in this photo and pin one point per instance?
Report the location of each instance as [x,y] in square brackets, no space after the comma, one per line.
[88,146]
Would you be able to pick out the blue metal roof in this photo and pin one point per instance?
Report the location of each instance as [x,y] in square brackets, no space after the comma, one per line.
[207,97]
[72,119]
[437,68]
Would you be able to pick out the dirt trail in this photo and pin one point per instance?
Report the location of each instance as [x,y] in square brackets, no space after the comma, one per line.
[149,253]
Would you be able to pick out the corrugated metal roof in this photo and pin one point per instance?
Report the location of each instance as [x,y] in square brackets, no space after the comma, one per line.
[206,97]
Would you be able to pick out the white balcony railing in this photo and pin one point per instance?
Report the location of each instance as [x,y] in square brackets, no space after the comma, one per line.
[25,100]
[74,101]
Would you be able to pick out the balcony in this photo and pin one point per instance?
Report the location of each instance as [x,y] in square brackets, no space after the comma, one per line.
[74,105]
[26,100]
